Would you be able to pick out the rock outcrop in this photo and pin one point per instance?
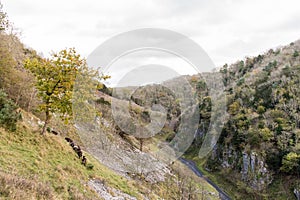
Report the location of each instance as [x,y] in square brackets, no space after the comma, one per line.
[254,171]
[297,193]
[108,193]
[251,166]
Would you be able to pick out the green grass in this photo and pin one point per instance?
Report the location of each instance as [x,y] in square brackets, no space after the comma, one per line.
[282,187]
[52,162]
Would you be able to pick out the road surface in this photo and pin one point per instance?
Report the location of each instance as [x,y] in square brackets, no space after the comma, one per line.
[190,164]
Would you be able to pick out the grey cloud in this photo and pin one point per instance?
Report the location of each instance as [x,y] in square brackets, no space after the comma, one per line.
[229,29]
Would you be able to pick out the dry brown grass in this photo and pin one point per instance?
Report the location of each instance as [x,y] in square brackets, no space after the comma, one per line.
[16,187]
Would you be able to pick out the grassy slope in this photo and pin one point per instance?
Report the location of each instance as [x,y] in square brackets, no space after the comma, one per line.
[33,166]
[50,162]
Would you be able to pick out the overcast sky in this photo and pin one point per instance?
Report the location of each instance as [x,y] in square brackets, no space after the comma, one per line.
[226,29]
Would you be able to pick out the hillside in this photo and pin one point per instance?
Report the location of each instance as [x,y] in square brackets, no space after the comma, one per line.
[46,167]
[45,129]
[38,167]
[259,145]
[257,154]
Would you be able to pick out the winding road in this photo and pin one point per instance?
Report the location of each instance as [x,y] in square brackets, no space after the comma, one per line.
[190,164]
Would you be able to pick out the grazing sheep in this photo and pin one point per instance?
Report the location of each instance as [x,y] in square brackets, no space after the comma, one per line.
[54,132]
[72,144]
[83,161]
[78,151]
[68,139]
[76,148]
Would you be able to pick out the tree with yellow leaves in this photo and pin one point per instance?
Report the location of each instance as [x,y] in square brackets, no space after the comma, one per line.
[55,79]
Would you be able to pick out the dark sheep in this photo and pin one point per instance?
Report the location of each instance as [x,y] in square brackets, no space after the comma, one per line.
[79,153]
[83,161]
[68,139]
[54,132]
[77,149]
[72,144]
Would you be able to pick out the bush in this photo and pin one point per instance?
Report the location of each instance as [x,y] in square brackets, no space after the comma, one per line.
[270,67]
[290,163]
[241,81]
[89,166]
[266,134]
[8,112]
[296,54]
[261,110]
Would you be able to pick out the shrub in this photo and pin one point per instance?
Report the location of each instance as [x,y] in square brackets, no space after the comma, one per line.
[90,166]
[270,67]
[266,134]
[261,109]
[296,54]
[290,163]
[241,81]
[8,112]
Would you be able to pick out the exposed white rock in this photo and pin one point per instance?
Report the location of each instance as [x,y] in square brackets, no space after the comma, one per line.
[108,193]
[297,193]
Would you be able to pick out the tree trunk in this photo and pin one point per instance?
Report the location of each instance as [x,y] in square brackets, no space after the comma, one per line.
[46,122]
[141,143]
